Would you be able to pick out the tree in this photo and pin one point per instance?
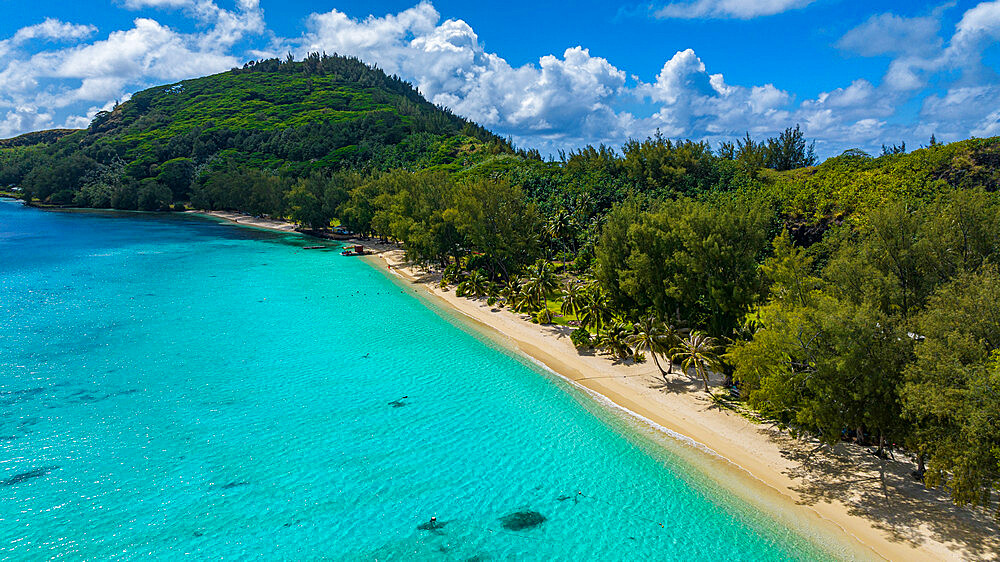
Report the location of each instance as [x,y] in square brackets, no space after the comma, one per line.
[788,151]
[475,284]
[821,362]
[616,341]
[573,298]
[306,206]
[650,335]
[499,222]
[596,310]
[539,282]
[177,174]
[153,196]
[952,390]
[697,351]
[696,261]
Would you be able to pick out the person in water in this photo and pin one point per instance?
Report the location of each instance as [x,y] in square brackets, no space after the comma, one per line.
[431,525]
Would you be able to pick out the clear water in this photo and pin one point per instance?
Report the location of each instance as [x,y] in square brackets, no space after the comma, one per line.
[170,385]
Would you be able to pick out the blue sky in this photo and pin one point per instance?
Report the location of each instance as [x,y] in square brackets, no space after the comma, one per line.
[551,75]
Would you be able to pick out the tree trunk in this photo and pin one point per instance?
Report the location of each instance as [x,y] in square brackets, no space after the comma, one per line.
[704,378]
[657,361]
[918,474]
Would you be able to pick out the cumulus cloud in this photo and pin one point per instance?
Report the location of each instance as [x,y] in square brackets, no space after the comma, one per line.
[978,28]
[34,86]
[228,26]
[569,94]
[964,110]
[732,9]
[51,29]
[689,99]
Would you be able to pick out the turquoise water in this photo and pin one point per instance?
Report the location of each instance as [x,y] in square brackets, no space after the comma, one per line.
[170,385]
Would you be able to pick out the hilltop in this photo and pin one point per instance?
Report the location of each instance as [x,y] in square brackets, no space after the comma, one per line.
[289,118]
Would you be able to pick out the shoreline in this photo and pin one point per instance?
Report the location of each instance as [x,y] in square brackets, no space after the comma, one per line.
[240,219]
[839,494]
[782,465]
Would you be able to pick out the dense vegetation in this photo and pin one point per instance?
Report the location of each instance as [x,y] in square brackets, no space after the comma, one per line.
[286,119]
[857,299]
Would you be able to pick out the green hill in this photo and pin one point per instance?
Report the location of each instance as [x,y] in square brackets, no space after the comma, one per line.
[855,183]
[290,118]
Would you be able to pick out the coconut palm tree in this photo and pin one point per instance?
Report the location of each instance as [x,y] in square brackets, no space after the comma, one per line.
[698,351]
[475,284]
[615,341]
[541,281]
[595,311]
[559,227]
[510,290]
[651,335]
[573,298]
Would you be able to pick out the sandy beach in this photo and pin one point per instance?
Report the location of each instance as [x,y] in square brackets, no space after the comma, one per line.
[844,494]
[248,220]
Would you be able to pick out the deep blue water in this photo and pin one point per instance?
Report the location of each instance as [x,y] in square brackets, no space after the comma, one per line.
[170,385]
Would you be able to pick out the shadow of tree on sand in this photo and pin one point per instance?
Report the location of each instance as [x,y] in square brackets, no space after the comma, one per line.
[884,493]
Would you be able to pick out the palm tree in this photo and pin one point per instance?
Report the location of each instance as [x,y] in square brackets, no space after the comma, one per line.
[649,334]
[573,299]
[475,284]
[510,290]
[559,227]
[541,281]
[595,309]
[615,341]
[698,351]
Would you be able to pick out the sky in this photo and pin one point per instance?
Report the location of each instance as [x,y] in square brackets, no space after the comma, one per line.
[552,76]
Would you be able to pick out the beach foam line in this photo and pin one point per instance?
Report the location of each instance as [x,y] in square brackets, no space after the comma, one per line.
[512,343]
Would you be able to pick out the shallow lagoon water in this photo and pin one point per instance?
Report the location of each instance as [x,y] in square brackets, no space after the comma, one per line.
[171,385]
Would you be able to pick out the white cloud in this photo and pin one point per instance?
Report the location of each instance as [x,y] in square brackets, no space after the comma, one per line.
[886,34]
[734,9]
[149,53]
[23,119]
[228,27]
[54,29]
[918,56]
[963,111]
[567,95]
[691,102]
[978,28]
[50,29]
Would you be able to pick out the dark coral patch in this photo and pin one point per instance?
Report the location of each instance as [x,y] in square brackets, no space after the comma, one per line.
[521,520]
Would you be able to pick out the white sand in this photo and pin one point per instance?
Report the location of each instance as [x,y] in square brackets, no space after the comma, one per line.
[838,493]
[870,507]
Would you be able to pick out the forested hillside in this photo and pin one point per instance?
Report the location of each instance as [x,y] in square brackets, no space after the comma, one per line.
[857,299]
[283,118]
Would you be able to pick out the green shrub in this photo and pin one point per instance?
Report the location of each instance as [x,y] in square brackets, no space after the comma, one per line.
[580,338]
[543,316]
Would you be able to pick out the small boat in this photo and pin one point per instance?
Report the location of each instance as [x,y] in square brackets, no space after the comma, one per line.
[314,247]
